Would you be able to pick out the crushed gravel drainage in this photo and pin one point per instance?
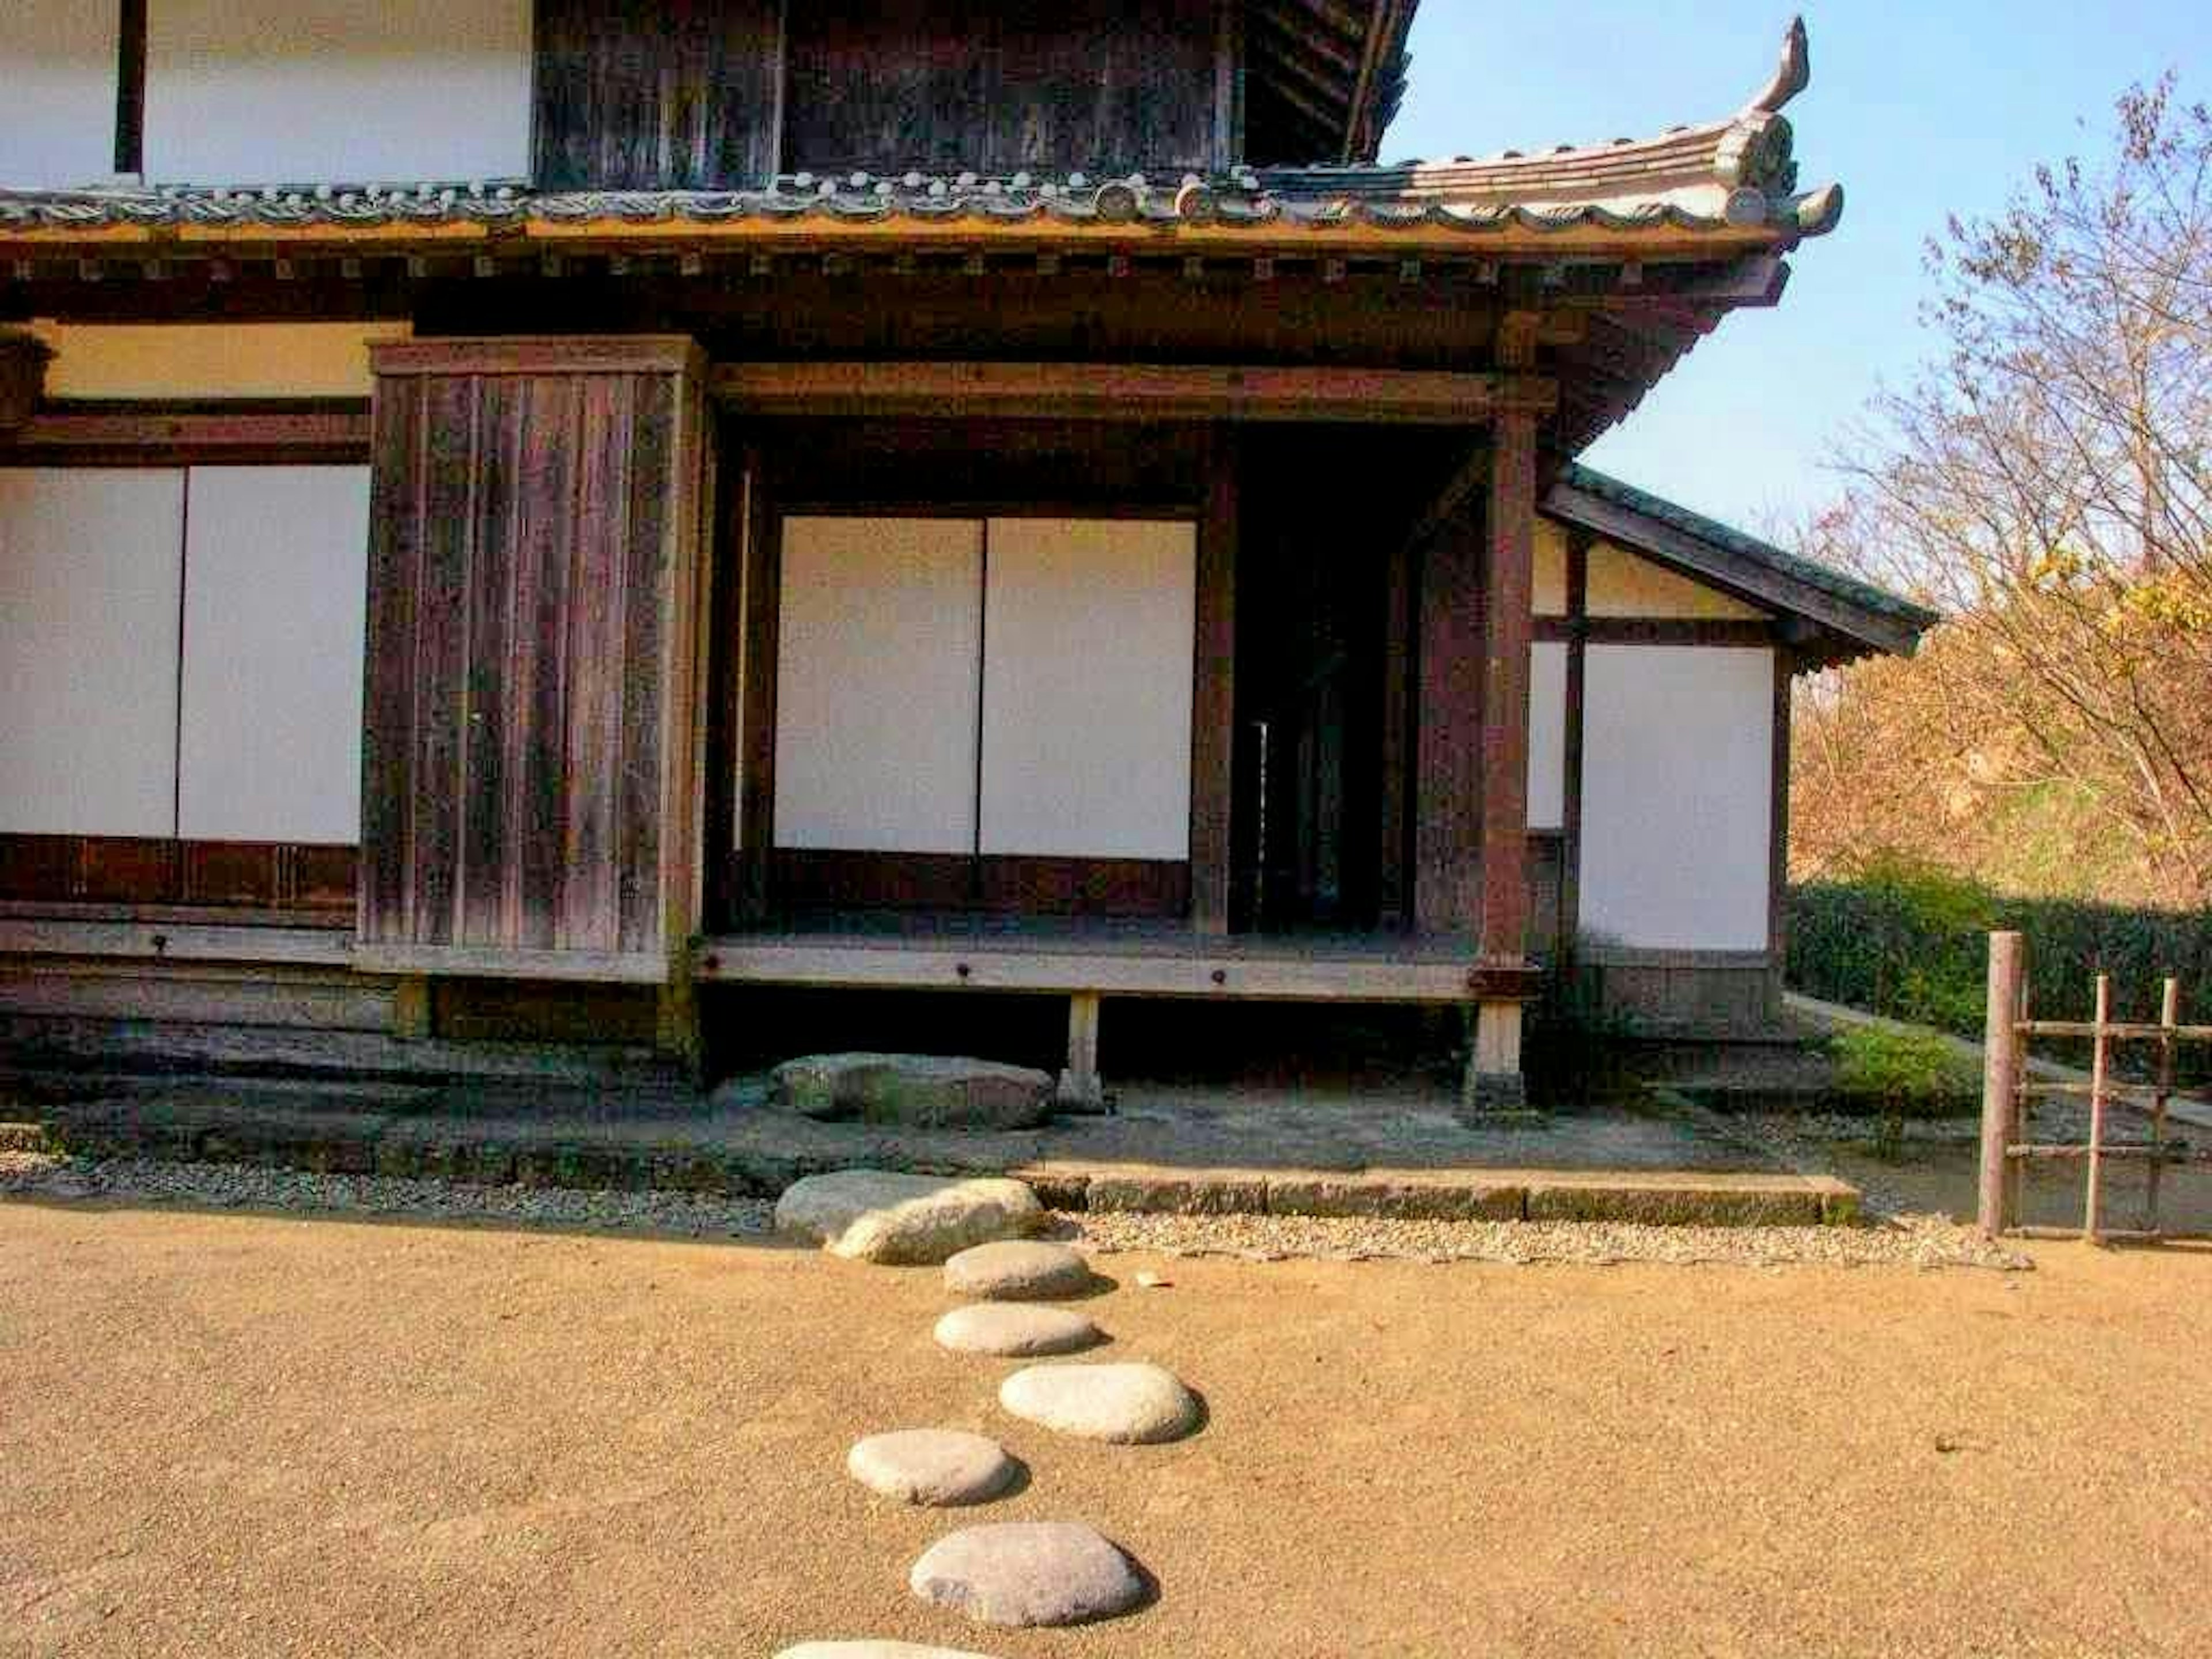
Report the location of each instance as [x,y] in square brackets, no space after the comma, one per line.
[1907,1241]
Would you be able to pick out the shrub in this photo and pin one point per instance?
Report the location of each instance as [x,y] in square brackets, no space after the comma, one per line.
[1905,940]
[1902,1074]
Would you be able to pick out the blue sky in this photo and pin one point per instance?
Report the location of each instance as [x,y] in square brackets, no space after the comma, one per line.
[1919,110]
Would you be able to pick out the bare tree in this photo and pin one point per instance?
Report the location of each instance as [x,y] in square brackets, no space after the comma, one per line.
[2048,483]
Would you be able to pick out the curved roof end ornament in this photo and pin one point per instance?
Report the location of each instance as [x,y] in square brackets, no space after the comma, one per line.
[1791,76]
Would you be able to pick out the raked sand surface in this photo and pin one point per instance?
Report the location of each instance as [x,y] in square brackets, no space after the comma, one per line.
[253,1434]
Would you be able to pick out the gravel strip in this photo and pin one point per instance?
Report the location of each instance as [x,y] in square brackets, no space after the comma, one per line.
[1904,1242]
[233,1186]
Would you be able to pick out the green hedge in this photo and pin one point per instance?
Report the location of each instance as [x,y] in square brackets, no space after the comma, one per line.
[1910,941]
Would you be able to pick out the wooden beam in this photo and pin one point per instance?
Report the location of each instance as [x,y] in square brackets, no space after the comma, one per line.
[47,936]
[88,436]
[1512,548]
[1131,391]
[1751,632]
[1213,692]
[1230,976]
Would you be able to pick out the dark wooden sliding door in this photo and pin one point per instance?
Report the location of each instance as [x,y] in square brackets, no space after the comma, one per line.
[530,783]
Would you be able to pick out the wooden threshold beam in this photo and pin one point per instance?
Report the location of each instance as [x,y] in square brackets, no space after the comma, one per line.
[1130,392]
[79,434]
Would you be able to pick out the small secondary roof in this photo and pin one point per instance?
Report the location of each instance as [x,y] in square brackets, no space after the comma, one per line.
[1845,617]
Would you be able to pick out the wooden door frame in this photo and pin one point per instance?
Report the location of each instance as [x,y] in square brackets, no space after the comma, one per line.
[754,881]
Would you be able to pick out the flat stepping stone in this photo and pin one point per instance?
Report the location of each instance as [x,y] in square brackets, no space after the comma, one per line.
[1016,1330]
[1028,1573]
[935,1467]
[1019,1270]
[874,1651]
[879,1215]
[1126,1405]
[926,1091]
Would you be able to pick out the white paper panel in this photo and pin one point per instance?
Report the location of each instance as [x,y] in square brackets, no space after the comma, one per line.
[1087,687]
[1547,735]
[89,578]
[1678,752]
[877,671]
[332,91]
[57,64]
[276,579]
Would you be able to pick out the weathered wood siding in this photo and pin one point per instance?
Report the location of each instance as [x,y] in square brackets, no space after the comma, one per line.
[1095,84]
[657,95]
[534,566]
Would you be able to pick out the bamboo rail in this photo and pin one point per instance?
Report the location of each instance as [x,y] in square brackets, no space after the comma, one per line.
[2008,1096]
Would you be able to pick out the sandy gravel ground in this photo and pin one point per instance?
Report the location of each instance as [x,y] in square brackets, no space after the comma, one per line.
[241,1435]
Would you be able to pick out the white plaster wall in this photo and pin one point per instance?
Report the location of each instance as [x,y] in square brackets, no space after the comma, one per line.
[308,91]
[212,360]
[1548,572]
[877,666]
[57,67]
[275,583]
[1623,584]
[1678,749]
[1547,735]
[1087,662]
[90,563]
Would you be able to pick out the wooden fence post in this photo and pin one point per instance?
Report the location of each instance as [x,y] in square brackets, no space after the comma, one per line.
[2000,1081]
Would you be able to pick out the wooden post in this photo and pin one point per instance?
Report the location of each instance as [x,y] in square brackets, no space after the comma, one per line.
[1080,1089]
[1214,693]
[2169,1015]
[2000,1082]
[2100,1056]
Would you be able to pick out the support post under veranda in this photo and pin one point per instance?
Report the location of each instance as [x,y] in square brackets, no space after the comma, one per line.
[2001,1069]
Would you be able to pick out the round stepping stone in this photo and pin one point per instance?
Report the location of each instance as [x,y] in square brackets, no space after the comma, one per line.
[1016,1330]
[1019,1270]
[936,1467]
[1126,1405]
[1028,1573]
[873,1650]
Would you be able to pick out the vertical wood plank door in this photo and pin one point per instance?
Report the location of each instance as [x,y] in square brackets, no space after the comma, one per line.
[535,568]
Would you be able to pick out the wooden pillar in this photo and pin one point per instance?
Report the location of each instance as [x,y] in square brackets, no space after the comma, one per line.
[2001,1082]
[1505,638]
[761,560]
[1213,692]
[1493,1080]
[1447,745]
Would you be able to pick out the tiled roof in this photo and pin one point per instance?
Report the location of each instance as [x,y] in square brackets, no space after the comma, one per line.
[1732,178]
[1872,615]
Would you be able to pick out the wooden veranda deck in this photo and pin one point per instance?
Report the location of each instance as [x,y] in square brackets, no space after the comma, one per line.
[959,951]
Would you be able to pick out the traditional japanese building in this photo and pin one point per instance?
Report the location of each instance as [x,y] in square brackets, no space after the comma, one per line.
[624,498]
